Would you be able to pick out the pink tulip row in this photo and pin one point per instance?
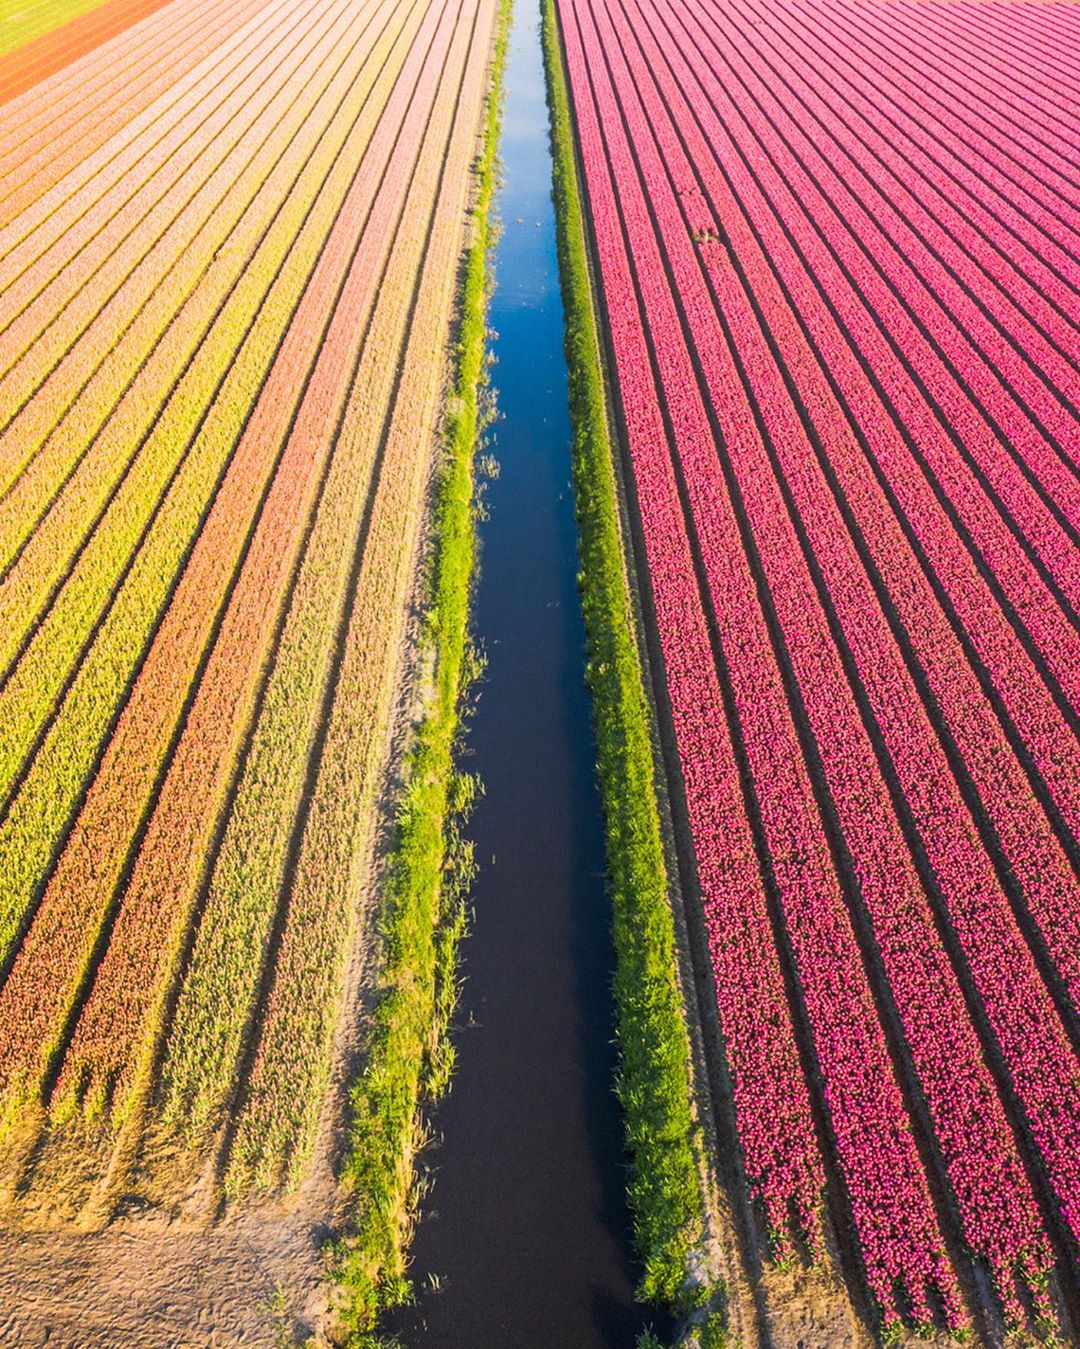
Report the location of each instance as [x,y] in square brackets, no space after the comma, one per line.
[889,1196]
[843,60]
[881,276]
[1023,829]
[1021,119]
[877,190]
[813,281]
[969,1121]
[795,466]
[1017,61]
[776,1131]
[1040,374]
[1000,124]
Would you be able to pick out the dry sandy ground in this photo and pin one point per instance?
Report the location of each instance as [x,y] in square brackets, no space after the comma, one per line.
[130,1286]
[178,1276]
[181,1274]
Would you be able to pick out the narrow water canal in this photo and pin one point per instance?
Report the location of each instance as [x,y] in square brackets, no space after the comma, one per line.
[526,1233]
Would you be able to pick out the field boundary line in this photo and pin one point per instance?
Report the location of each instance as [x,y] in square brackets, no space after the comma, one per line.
[17,126]
[54,49]
[145,775]
[82,448]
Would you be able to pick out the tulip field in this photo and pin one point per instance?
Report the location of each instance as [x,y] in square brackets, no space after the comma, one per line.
[821,290]
[837,258]
[230,239]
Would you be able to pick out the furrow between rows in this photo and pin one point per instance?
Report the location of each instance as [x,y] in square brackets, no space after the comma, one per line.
[278,1108]
[33,156]
[57,612]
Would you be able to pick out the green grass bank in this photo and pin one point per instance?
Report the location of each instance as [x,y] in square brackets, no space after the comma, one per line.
[407,1058]
[654,1083]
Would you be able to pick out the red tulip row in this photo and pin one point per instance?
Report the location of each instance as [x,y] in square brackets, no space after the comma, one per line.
[998,1210]
[765,278]
[776,1131]
[889,1197]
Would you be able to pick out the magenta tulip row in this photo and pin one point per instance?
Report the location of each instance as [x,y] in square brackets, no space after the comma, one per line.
[848,425]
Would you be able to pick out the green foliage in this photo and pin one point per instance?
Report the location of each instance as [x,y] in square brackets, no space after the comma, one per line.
[713,1333]
[654,1074]
[424,904]
[648,1340]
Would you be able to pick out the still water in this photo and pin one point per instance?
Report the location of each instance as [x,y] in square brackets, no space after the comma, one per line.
[526,1233]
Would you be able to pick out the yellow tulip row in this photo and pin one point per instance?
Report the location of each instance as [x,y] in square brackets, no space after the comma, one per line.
[281,1102]
[210,407]
[223,337]
[300,523]
[218,999]
[98,547]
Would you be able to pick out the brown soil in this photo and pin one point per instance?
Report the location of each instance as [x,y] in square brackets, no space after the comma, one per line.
[157,1286]
[103,1244]
[101,1248]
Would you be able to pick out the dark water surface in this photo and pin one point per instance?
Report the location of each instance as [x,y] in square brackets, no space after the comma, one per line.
[526,1230]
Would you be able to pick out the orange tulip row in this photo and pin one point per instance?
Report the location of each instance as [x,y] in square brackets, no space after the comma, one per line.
[206,412]
[40,128]
[85,541]
[118,1027]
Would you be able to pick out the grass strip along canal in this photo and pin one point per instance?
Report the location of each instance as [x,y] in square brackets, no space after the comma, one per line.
[525,1237]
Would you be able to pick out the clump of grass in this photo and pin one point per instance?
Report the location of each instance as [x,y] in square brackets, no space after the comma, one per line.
[654,1073]
[424,901]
